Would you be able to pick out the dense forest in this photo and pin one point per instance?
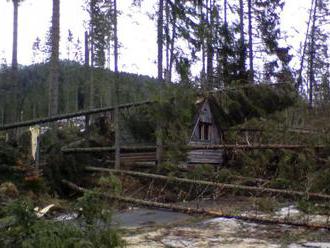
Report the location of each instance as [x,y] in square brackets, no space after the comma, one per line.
[240,42]
[226,76]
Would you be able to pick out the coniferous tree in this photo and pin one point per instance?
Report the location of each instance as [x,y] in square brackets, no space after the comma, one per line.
[317,53]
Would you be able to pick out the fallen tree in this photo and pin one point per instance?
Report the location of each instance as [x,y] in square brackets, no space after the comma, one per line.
[214,184]
[201,211]
[70,115]
[193,147]
[106,149]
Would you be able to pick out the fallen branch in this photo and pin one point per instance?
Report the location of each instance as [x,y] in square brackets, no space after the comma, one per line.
[70,115]
[201,211]
[214,184]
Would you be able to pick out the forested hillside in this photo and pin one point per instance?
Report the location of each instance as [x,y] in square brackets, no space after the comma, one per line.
[74,89]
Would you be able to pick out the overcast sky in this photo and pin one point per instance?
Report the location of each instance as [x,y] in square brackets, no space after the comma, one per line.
[137,32]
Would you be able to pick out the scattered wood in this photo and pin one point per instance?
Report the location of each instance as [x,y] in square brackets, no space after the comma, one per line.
[200,211]
[215,184]
[71,115]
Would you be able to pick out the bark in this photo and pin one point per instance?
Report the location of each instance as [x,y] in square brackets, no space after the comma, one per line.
[160,75]
[168,40]
[255,147]
[107,149]
[15,35]
[194,147]
[201,211]
[86,50]
[87,71]
[209,46]
[283,192]
[116,112]
[299,81]
[71,115]
[173,38]
[242,40]
[160,39]
[225,55]
[54,60]
[251,74]
[202,23]
[91,89]
[312,57]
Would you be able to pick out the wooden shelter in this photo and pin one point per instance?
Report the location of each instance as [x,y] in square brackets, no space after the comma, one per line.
[206,131]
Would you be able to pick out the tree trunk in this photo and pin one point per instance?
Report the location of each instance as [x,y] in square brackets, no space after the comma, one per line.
[226,46]
[15,35]
[299,80]
[251,74]
[242,40]
[172,46]
[160,39]
[312,58]
[72,115]
[283,192]
[86,50]
[168,40]
[54,60]
[91,90]
[160,75]
[116,112]
[202,211]
[209,46]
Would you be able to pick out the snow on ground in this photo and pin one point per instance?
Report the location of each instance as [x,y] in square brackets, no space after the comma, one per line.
[221,232]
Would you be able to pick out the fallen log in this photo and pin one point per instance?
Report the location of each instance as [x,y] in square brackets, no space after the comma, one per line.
[214,184]
[193,147]
[107,149]
[257,147]
[201,211]
[71,115]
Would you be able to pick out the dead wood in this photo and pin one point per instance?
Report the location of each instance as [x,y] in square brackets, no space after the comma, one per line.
[70,115]
[195,147]
[215,184]
[200,211]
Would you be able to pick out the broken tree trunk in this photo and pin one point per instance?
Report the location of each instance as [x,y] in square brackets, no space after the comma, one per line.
[251,147]
[107,149]
[70,115]
[201,211]
[194,147]
[214,184]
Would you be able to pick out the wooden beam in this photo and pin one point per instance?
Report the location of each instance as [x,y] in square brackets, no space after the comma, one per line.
[201,211]
[214,184]
[71,115]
